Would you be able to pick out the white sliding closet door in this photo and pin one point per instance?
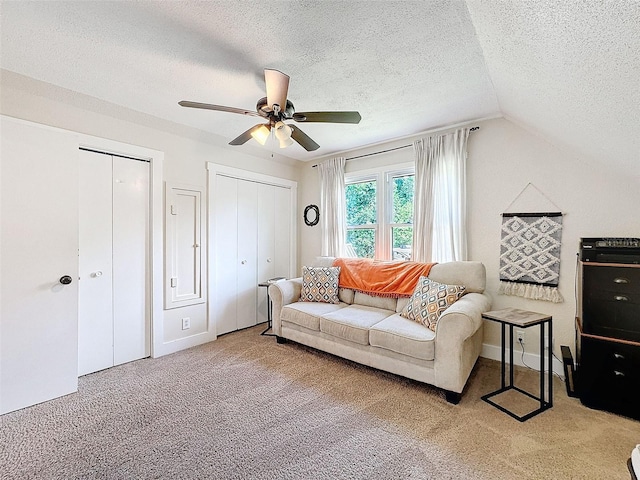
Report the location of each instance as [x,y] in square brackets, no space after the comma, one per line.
[267,244]
[251,244]
[95,302]
[131,325]
[247,253]
[274,238]
[114,325]
[226,252]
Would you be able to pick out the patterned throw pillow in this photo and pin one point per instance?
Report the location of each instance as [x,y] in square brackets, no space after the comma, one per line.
[320,284]
[429,300]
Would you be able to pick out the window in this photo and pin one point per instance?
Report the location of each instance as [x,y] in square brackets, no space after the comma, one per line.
[380,214]
[362,217]
[401,227]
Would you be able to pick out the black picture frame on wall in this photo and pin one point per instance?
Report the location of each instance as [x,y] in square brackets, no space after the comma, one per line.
[313,218]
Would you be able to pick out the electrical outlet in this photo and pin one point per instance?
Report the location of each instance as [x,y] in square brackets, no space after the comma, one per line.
[520,336]
[186,323]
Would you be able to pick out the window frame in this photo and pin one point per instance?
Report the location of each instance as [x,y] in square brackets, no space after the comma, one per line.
[383,176]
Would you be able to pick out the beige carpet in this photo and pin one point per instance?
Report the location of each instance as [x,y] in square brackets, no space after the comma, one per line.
[244,407]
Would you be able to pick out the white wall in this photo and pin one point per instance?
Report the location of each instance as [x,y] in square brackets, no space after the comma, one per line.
[503,159]
[186,151]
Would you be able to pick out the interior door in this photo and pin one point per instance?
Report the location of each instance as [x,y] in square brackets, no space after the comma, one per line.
[114,322]
[131,324]
[247,253]
[38,246]
[95,306]
[282,228]
[226,253]
[266,244]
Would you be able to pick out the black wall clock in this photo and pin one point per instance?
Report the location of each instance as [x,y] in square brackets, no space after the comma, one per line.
[311,215]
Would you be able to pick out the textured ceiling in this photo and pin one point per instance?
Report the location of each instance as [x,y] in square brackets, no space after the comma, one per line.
[568,70]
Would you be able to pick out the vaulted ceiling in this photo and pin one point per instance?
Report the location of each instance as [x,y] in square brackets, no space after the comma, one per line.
[568,70]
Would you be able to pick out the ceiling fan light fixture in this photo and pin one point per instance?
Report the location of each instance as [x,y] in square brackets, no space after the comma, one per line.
[285,142]
[261,134]
[283,134]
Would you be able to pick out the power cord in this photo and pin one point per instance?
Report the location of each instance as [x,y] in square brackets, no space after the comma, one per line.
[535,369]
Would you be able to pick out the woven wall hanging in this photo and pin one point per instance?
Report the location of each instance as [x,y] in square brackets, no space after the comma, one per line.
[530,254]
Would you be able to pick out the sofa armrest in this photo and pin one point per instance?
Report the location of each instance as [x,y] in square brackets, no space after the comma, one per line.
[457,346]
[283,293]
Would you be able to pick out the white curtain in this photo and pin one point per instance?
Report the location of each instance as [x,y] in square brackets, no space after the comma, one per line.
[333,207]
[440,202]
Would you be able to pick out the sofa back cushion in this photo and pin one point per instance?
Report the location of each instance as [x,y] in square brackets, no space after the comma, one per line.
[346,295]
[386,303]
[324,261]
[470,274]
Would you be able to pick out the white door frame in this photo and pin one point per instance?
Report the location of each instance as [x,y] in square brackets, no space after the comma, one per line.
[217,169]
[156,237]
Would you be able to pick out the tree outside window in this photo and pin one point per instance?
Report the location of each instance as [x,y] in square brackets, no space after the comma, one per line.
[380,215]
[362,217]
[402,217]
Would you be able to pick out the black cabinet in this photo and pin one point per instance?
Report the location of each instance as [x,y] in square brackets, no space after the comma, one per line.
[609,337]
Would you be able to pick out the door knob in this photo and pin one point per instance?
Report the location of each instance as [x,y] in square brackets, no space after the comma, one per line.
[65,280]
[243,262]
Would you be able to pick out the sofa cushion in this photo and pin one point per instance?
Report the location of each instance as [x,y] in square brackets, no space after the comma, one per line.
[429,300]
[307,314]
[353,322]
[402,302]
[346,295]
[470,274]
[404,336]
[320,284]
[386,303]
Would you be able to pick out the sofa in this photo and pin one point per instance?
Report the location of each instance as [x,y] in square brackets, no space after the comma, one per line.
[369,329]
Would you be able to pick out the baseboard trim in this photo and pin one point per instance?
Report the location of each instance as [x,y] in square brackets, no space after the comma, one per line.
[532,360]
[174,346]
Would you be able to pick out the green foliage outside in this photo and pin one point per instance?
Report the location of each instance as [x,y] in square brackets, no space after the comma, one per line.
[361,211]
[403,211]
[361,203]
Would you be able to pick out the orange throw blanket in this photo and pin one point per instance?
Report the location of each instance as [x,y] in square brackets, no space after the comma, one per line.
[387,279]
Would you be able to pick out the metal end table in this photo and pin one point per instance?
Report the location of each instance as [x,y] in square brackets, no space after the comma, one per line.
[269,306]
[514,317]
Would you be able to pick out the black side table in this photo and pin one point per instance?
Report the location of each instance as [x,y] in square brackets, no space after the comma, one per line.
[269,308]
[514,317]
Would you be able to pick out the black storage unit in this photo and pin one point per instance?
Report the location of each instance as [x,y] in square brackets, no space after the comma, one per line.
[608,327]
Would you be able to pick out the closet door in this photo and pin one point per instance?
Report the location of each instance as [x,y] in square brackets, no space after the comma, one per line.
[282,221]
[251,243]
[131,325]
[95,305]
[266,244]
[226,253]
[113,319]
[247,286]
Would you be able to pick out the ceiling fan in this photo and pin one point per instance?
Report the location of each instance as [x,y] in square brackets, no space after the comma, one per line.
[276,108]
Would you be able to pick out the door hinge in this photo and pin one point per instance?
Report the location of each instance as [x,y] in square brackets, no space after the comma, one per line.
[174,282]
[174,210]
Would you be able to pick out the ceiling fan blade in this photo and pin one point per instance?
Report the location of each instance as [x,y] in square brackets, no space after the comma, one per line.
[303,139]
[277,88]
[220,108]
[246,136]
[329,117]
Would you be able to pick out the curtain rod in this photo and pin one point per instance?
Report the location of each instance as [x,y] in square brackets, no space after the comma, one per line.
[388,150]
